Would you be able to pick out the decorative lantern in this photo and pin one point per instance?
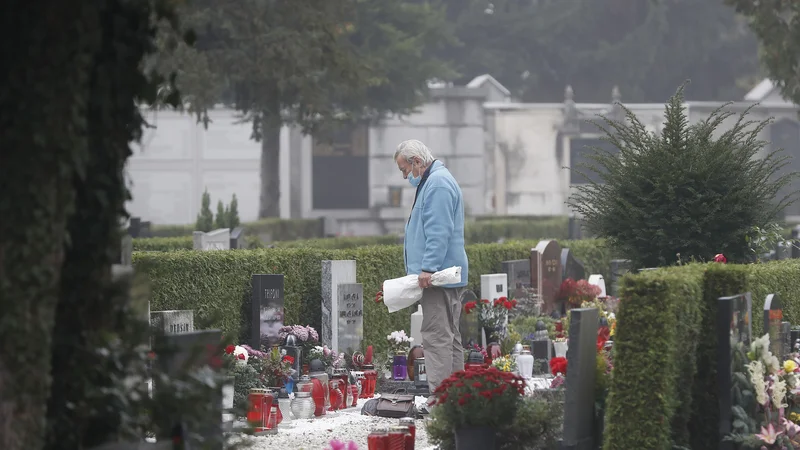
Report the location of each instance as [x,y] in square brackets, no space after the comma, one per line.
[525,362]
[323,378]
[415,352]
[399,368]
[335,393]
[371,377]
[421,380]
[285,410]
[258,414]
[343,376]
[475,360]
[295,351]
[303,405]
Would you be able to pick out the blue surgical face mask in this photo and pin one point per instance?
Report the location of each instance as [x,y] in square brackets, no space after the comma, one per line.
[412,180]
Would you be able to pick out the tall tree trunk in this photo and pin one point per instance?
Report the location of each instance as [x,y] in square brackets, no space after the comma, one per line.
[46,50]
[270,199]
[87,315]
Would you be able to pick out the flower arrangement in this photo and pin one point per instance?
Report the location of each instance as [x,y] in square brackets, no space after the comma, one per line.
[493,315]
[330,359]
[505,363]
[307,336]
[338,445]
[245,365]
[479,398]
[577,292]
[558,366]
[276,368]
[398,342]
[775,389]
[720,258]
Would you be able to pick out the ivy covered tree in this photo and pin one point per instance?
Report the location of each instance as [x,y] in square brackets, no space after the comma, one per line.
[689,193]
[205,218]
[319,62]
[776,23]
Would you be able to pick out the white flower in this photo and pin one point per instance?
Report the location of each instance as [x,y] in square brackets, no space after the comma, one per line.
[779,394]
[756,370]
[239,350]
[612,316]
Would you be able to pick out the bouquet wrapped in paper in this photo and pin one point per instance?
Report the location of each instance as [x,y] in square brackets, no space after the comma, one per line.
[400,293]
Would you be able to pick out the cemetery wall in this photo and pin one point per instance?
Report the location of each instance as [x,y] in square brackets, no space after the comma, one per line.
[216,284]
[676,308]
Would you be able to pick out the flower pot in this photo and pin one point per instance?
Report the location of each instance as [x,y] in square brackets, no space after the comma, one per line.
[493,334]
[478,438]
[561,349]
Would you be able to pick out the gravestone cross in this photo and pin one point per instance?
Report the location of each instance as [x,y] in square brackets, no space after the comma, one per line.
[350,318]
[266,310]
[469,324]
[773,317]
[580,380]
[734,316]
[334,274]
[546,273]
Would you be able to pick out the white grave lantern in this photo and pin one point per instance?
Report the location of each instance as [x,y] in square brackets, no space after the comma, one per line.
[416,326]
[493,286]
[597,280]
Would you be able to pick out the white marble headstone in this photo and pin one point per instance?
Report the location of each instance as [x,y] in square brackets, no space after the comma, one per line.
[597,280]
[494,286]
[334,273]
[213,240]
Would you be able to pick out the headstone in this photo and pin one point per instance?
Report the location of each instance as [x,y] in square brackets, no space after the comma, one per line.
[575,228]
[126,250]
[134,227]
[773,317]
[518,274]
[597,280]
[173,322]
[334,274]
[571,266]
[494,286]
[178,354]
[733,326]
[144,230]
[580,380]
[619,267]
[266,310]
[546,273]
[416,326]
[786,340]
[213,240]
[237,238]
[794,336]
[350,313]
[469,324]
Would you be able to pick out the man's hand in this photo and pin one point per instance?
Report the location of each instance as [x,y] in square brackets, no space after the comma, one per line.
[425,280]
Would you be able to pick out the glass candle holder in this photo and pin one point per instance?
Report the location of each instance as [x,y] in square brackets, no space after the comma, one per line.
[399,367]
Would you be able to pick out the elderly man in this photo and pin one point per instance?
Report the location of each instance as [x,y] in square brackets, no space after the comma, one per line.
[434,240]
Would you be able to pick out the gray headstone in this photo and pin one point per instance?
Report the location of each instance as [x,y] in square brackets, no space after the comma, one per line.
[572,266]
[126,250]
[173,322]
[219,239]
[619,267]
[178,355]
[237,238]
[468,324]
[733,326]
[350,318]
[580,380]
[546,273]
[266,310]
[773,317]
[334,274]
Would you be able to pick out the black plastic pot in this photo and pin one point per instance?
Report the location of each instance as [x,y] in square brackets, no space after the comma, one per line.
[479,438]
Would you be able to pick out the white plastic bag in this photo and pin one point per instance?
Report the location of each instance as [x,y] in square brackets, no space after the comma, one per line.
[401,293]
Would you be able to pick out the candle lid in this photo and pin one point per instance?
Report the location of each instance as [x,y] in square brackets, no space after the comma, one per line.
[398,429]
[259,391]
[379,430]
[302,394]
[405,421]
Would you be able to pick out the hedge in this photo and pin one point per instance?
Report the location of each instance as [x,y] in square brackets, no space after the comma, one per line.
[665,349]
[308,232]
[216,284]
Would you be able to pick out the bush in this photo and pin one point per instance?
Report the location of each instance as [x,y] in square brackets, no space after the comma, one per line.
[693,191]
[205,218]
[216,284]
[272,229]
[163,244]
[493,229]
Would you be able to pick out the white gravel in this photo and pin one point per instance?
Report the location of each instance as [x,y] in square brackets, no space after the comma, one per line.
[346,425]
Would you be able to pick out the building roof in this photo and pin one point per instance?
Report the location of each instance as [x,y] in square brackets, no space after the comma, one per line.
[480,80]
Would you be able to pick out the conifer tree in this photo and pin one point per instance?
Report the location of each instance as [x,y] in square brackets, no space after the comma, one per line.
[221,221]
[205,219]
[233,213]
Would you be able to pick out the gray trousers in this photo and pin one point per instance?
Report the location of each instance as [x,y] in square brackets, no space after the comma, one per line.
[441,338]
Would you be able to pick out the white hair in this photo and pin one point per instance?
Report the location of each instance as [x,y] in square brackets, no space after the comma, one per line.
[413,148]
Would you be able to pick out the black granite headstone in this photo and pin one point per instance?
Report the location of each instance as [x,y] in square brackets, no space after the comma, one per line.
[733,326]
[580,381]
[773,317]
[237,238]
[134,227]
[572,266]
[469,324]
[266,310]
[178,355]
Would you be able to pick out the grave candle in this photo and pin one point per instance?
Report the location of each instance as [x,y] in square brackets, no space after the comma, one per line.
[412,432]
[397,437]
[378,439]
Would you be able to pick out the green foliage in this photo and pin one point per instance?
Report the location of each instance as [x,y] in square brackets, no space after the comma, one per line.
[272,229]
[671,196]
[205,218]
[528,228]
[217,284]
[536,426]
[233,213]
[221,219]
[777,26]
[162,244]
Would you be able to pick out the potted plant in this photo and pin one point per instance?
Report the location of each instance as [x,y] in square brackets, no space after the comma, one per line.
[493,316]
[399,344]
[477,403]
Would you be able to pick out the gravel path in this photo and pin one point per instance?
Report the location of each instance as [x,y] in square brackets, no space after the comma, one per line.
[316,434]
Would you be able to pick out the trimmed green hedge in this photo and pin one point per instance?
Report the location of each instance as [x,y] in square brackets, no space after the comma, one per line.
[276,229]
[666,344]
[491,230]
[163,244]
[216,284]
